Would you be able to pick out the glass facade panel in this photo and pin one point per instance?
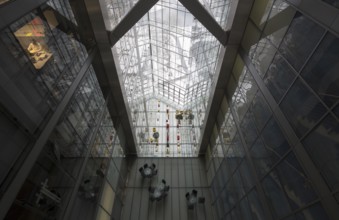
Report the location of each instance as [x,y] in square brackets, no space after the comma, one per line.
[279,77]
[263,56]
[296,184]
[300,40]
[313,212]
[246,175]
[245,209]
[261,158]
[274,138]
[301,108]
[13,142]
[321,70]
[261,111]
[249,129]
[279,20]
[255,205]
[275,195]
[322,144]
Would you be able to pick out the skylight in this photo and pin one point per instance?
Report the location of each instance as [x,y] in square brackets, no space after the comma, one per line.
[167,57]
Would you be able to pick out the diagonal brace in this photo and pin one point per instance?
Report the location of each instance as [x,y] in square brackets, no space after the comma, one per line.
[130,19]
[206,19]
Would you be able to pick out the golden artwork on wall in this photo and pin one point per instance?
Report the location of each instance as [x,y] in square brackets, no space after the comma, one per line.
[32,38]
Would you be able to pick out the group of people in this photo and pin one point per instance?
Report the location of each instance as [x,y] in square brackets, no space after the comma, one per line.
[156,193]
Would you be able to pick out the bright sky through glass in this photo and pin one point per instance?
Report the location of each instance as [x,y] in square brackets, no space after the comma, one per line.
[167,60]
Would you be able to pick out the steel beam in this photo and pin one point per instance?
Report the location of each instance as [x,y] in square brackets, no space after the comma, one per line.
[19,179]
[206,19]
[225,63]
[328,201]
[130,19]
[108,73]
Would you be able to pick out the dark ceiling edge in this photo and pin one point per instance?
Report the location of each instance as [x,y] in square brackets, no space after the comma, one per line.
[225,64]
[20,9]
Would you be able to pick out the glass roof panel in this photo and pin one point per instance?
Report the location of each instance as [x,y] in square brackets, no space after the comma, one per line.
[170,51]
[168,56]
[219,9]
[115,10]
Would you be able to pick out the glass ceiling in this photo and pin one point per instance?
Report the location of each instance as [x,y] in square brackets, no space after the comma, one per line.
[168,56]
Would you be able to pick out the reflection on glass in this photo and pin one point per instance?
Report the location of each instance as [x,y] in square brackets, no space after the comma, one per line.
[245,209]
[295,183]
[244,93]
[314,212]
[300,39]
[261,111]
[322,144]
[246,175]
[263,55]
[321,71]
[262,159]
[275,195]
[301,108]
[255,205]
[279,77]
[280,18]
[274,138]
[248,129]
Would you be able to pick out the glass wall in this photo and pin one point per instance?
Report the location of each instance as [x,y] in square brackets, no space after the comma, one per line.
[81,167]
[289,65]
[48,188]
[40,58]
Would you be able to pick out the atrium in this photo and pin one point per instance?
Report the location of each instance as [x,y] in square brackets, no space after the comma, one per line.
[169,109]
